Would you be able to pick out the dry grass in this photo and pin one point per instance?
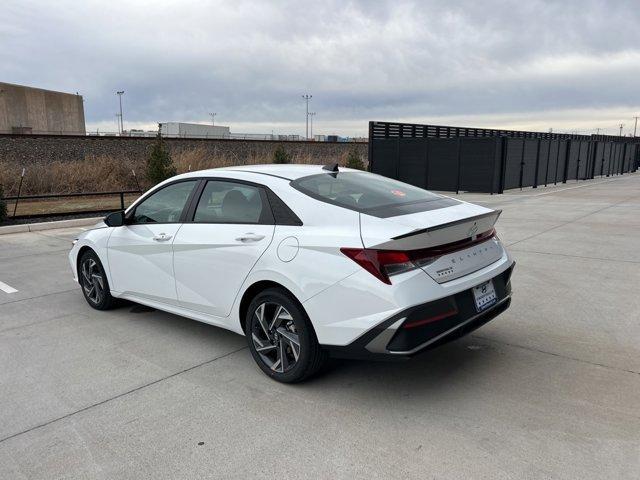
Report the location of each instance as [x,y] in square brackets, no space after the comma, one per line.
[199,159]
[91,175]
[98,174]
[68,204]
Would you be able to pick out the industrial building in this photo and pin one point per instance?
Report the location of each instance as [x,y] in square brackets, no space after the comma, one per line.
[193,130]
[28,110]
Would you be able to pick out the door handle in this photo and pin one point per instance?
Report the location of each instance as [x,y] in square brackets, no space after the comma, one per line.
[250,237]
[163,237]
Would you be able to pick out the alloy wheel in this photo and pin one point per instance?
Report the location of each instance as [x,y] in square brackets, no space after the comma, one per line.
[275,337]
[93,281]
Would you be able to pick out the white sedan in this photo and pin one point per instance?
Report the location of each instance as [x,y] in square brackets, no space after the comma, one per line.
[307,261]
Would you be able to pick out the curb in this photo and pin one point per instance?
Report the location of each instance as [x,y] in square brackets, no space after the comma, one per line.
[36,227]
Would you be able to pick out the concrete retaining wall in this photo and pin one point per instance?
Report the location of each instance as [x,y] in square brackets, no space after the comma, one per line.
[35,110]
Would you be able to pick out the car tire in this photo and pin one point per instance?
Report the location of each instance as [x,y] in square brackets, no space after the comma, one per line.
[281,338]
[93,281]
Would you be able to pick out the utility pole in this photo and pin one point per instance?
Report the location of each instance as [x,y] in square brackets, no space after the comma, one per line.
[213,118]
[120,93]
[307,97]
[635,126]
[621,125]
[311,115]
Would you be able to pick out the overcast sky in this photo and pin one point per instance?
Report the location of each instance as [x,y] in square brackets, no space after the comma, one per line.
[521,64]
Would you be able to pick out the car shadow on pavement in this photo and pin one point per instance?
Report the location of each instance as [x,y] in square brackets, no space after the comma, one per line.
[465,360]
[462,362]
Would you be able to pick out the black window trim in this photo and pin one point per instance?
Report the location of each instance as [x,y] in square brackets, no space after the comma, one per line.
[189,210]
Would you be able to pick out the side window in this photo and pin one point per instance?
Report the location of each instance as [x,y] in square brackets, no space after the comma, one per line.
[164,206]
[229,202]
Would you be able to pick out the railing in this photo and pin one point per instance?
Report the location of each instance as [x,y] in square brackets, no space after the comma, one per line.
[18,198]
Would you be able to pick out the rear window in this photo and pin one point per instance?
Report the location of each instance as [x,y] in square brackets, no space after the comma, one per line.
[369,193]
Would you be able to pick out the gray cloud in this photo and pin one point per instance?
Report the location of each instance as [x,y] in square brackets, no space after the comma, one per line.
[492,62]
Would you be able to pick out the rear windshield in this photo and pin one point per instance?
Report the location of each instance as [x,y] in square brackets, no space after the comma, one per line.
[370,193]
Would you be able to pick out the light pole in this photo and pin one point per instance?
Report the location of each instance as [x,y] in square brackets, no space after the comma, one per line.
[120,93]
[213,118]
[307,97]
[621,125]
[635,126]
[311,115]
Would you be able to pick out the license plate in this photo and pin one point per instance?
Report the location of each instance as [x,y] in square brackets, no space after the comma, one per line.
[484,295]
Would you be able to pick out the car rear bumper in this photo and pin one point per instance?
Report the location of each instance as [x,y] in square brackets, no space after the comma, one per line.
[426,326]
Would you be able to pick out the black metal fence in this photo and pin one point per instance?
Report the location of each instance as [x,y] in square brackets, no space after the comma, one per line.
[485,160]
[70,208]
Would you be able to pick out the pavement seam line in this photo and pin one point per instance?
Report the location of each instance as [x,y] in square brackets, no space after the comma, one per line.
[575,256]
[123,394]
[39,296]
[36,254]
[572,221]
[559,355]
[510,198]
[57,237]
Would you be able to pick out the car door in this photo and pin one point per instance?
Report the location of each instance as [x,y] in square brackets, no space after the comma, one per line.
[140,253]
[231,227]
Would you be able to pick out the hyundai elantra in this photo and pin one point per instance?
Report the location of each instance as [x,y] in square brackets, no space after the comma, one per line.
[307,262]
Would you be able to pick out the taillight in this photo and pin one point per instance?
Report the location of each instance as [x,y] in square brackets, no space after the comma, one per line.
[384,263]
[380,263]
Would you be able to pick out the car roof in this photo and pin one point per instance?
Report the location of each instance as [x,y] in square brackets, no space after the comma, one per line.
[286,171]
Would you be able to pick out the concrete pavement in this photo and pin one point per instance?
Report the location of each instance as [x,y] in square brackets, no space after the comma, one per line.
[550,389]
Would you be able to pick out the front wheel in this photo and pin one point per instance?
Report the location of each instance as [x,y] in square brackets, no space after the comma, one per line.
[281,338]
[93,280]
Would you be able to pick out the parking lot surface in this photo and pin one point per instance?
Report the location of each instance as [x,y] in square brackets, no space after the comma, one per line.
[549,389]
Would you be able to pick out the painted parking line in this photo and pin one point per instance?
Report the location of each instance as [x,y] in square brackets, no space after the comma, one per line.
[7,288]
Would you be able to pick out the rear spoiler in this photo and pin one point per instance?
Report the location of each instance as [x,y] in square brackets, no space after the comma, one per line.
[443,233]
[494,213]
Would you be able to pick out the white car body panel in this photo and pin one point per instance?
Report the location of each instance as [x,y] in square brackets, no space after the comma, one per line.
[210,264]
[202,272]
[140,265]
[351,307]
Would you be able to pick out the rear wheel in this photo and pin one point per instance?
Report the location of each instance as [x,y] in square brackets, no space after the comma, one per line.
[281,338]
[93,280]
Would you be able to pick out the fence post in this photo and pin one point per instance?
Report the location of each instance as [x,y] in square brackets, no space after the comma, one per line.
[370,147]
[426,160]
[555,175]
[535,180]
[503,162]
[121,200]
[567,154]
[546,174]
[15,207]
[594,159]
[458,155]
[524,146]
[493,167]
[578,162]
[136,179]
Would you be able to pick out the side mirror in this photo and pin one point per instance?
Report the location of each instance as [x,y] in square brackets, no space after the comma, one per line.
[115,219]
